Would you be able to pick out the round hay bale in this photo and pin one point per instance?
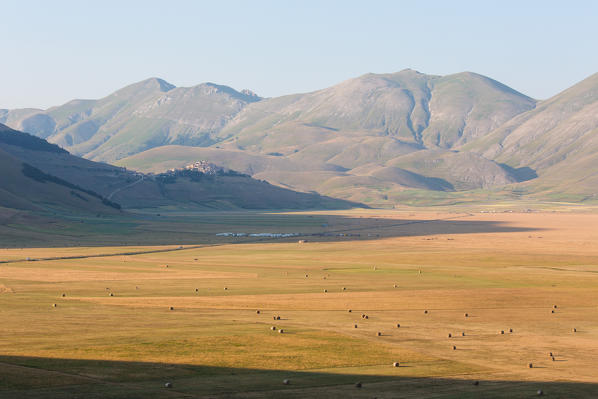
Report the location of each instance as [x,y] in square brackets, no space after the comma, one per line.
[530,365]
[450,335]
[378,334]
[358,385]
[355,326]
[257,312]
[171,308]
[510,330]
[395,364]
[197,290]
[168,385]
[63,295]
[286,382]
[325,290]
[502,331]
[363,316]
[344,288]
[281,331]
[225,288]
[395,286]
[307,275]
[575,330]
[273,328]
[552,311]
[111,294]
[554,306]
[454,348]
[349,310]
[398,325]
[425,312]
[466,314]
[463,334]
[367,317]
[54,305]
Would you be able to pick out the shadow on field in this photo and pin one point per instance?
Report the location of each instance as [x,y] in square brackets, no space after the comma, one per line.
[35,377]
[203,229]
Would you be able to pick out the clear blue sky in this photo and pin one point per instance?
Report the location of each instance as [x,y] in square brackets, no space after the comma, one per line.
[54,51]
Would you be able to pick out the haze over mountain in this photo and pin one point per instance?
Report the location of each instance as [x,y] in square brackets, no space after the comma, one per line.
[376,138]
[138,117]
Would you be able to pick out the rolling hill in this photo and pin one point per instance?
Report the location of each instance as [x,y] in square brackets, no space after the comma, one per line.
[27,157]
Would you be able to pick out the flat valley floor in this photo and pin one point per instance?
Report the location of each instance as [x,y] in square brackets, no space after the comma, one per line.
[510,288]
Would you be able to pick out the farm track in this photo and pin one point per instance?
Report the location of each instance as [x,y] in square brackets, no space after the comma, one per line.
[118,190]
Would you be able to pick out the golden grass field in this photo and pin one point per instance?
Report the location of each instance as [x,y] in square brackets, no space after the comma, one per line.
[505,270]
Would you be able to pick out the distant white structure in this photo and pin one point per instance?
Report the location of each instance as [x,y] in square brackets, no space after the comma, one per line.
[204,167]
[269,235]
[232,234]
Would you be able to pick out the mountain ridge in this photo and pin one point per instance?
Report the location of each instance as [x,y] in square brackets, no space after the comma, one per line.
[380,135]
[558,139]
[132,119]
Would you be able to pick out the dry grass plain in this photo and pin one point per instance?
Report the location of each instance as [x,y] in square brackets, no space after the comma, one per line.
[424,271]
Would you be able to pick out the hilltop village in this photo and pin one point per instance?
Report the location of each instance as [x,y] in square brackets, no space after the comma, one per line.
[201,166]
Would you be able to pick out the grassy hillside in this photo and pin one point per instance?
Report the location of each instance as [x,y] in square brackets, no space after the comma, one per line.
[375,183]
[558,141]
[425,110]
[25,187]
[134,190]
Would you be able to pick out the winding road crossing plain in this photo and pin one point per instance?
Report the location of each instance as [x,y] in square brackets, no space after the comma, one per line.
[362,315]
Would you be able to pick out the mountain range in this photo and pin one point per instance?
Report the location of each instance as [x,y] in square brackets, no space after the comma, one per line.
[377,138]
